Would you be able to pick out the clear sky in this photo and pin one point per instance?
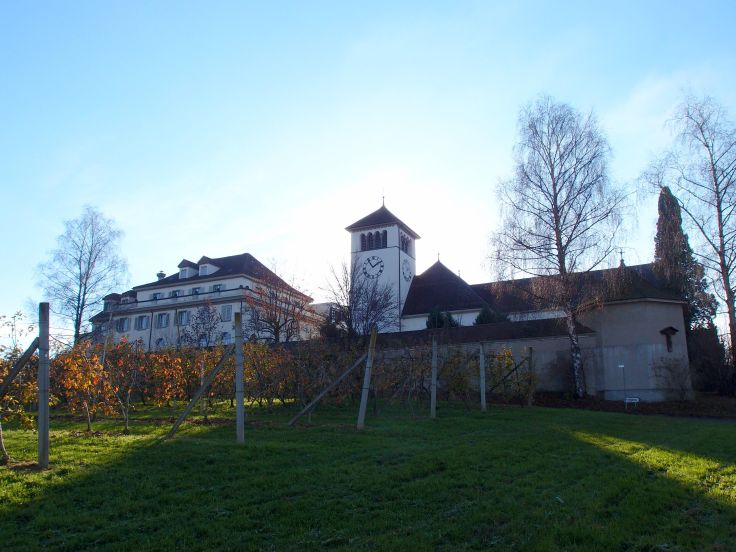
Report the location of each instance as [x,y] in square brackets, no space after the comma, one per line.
[216,128]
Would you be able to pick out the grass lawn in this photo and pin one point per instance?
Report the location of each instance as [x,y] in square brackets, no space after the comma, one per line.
[513,478]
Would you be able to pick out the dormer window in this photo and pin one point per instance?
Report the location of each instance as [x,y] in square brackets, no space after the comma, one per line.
[205,269]
[185,272]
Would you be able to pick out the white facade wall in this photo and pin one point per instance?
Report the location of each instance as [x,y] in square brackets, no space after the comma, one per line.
[232,294]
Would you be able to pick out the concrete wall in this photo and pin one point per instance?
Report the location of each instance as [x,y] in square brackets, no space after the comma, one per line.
[628,334]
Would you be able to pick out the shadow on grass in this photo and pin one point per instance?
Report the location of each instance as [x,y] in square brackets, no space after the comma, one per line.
[514,478]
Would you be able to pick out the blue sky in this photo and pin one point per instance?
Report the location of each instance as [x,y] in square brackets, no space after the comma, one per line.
[222,127]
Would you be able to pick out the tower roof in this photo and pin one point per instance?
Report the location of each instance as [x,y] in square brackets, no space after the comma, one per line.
[381,217]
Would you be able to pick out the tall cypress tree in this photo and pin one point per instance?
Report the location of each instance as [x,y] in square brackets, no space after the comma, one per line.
[675,264]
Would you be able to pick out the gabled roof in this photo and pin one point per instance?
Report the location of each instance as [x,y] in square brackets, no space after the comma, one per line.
[381,217]
[186,264]
[439,287]
[234,265]
[625,283]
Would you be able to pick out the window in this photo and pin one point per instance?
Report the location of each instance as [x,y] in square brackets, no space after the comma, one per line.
[175,293]
[162,320]
[384,239]
[216,288]
[182,318]
[160,343]
[203,270]
[122,324]
[362,242]
[227,313]
[405,244]
[203,341]
[370,240]
[196,290]
[226,338]
[156,296]
[141,323]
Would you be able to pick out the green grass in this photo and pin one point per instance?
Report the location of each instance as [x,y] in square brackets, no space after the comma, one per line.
[511,479]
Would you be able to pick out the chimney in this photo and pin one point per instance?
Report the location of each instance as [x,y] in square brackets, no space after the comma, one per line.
[161,275]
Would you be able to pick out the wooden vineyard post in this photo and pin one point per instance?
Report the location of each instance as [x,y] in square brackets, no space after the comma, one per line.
[433,385]
[200,392]
[327,389]
[482,378]
[366,380]
[239,391]
[43,385]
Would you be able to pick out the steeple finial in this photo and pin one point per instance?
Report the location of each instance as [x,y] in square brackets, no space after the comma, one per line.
[621,254]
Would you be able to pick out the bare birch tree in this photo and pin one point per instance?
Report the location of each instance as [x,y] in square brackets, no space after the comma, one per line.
[560,211]
[84,267]
[702,168]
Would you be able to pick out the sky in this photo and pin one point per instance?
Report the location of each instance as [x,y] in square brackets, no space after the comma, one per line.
[217,128]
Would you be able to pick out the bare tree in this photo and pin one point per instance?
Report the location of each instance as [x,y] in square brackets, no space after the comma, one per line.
[278,311]
[560,212]
[702,168]
[203,329]
[362,302]
[84,267]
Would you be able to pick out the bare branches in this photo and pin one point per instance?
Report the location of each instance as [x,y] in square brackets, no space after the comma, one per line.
[84,267]
[702,169]
[362,302]
[278,311]
[560,212]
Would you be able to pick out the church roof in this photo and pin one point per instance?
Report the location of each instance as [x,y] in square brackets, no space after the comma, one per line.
[381,217]
[439,287]
[625,283]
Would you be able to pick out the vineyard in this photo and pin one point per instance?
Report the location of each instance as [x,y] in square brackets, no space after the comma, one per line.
[93,379]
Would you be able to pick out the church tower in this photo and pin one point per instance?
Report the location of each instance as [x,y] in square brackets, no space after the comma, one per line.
[382,248]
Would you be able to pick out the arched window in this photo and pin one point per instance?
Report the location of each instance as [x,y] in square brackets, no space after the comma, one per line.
[370,240]
[362,242]
[377,239]
[384,239]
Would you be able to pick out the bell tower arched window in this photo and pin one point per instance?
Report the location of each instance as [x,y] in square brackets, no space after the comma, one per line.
[362,242]
[370,240]
[384,239]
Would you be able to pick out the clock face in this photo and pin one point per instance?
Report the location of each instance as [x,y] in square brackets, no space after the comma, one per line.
[406,270]
[372,267]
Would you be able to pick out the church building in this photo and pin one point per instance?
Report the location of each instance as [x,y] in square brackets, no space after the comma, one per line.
[631,335]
